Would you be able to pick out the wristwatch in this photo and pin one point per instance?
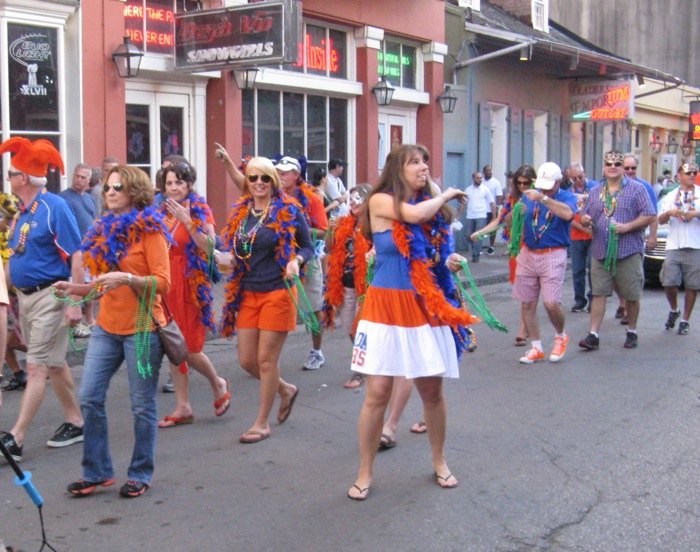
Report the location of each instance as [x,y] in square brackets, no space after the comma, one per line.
[189,226]
[544,199]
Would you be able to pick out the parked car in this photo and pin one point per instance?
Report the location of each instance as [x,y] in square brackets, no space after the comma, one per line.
[654,258]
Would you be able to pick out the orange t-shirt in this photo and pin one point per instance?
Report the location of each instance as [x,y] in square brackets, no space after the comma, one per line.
[579,234]
[317,213]
[118,308]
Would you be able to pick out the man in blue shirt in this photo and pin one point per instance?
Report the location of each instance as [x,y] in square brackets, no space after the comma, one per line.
[44,248]
[82,203]
[542,259]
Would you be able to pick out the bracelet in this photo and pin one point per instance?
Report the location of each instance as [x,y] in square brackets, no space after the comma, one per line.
[299,259]
[130,279]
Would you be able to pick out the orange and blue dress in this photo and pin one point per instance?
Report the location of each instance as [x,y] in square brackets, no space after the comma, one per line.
[396,335]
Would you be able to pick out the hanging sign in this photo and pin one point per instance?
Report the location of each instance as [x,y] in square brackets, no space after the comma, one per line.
[601,101]
[263,33]
[694,121]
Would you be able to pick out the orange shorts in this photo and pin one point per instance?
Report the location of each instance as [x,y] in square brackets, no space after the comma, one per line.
[273,311]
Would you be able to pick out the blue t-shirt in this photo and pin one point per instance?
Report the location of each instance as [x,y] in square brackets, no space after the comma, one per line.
[652,194]
[53,237]
[83,206]
[557,232]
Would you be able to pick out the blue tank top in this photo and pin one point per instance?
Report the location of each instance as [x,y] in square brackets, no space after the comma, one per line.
[391,269]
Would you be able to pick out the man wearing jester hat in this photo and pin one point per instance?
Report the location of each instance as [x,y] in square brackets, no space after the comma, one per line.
[44,248]
[618,210]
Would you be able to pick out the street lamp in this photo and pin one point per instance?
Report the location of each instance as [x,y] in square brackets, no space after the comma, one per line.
[127,58]
[383,91]
[245,78]
[655,145]
[687,148]
[447,100]
[671,145]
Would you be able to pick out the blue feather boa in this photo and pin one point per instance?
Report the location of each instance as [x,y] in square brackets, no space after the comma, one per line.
[422,247]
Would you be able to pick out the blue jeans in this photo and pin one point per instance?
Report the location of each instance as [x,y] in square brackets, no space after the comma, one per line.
[581,270]
[104,356]
[471,226]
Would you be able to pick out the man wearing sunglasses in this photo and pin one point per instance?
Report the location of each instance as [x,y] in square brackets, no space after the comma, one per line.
[682,262]
[44,248]
[618,210]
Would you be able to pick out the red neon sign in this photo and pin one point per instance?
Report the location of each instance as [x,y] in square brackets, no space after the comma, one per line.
[158,36]
[322,57]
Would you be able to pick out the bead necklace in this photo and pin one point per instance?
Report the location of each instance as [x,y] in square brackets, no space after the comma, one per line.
[172,233]
[609,200]
[537,230]
[689,200]
[142,327]
[247,239]
[25,228]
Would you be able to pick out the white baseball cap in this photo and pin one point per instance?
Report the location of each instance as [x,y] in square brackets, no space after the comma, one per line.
[288,164]
[548,175]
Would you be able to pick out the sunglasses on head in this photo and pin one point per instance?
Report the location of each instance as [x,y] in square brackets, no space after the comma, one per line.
[616,164]
[691,173]
[630,168]
[253,178]
[117,187]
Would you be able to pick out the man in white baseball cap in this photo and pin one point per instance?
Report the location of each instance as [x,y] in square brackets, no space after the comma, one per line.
[542,260]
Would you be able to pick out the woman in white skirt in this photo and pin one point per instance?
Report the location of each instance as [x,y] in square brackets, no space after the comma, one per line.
[411,323]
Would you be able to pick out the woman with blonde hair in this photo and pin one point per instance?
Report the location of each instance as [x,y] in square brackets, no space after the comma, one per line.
[269,242]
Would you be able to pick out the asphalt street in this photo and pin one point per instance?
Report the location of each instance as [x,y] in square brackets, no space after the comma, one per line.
[596,453]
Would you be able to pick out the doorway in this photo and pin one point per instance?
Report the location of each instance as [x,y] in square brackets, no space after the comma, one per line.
[157,125]
[396,126]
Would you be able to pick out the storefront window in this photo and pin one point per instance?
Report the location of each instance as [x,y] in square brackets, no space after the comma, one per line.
[398,63]
[322,52]
[307,128]
[149,23]
[138,145]
[32,71]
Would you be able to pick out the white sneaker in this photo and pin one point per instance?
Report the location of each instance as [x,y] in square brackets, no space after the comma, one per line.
[314,361]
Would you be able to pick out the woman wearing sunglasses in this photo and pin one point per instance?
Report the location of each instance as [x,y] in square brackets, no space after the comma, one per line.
[269,242]
[191,227]
[522,180]
[126,252]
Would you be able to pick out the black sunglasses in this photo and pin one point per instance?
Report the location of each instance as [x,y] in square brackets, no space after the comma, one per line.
[253,178]
[525,183]
[630,168]
[613,164]
[117,187]
[691,173]
[10,174]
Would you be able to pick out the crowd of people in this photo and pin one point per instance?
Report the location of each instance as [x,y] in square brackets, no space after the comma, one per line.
[378,259]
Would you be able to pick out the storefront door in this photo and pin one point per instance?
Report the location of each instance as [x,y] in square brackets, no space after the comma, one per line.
[396,126]
[157,125]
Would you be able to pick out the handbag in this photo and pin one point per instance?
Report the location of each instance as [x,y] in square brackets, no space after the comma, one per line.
[173,342]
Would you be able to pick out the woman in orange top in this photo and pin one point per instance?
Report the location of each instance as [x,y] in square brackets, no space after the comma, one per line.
[126,252]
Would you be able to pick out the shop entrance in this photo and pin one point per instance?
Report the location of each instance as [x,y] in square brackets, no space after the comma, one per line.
[157,125]
[396,126]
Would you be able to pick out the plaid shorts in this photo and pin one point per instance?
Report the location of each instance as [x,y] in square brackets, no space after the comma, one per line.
[540,272]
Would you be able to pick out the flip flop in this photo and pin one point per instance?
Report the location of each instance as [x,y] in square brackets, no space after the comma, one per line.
[172,421]
[386,442]
[225,400]
[520,341]
[284,413]
[361,496]
[420,427]
[250,437]
[442,481]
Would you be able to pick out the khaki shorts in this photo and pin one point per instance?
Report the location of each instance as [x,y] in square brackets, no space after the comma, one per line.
[681,266]
[629,278]
[313,285]
[43,328]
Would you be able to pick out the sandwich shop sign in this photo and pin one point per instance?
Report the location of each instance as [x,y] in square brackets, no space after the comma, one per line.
[262,33]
